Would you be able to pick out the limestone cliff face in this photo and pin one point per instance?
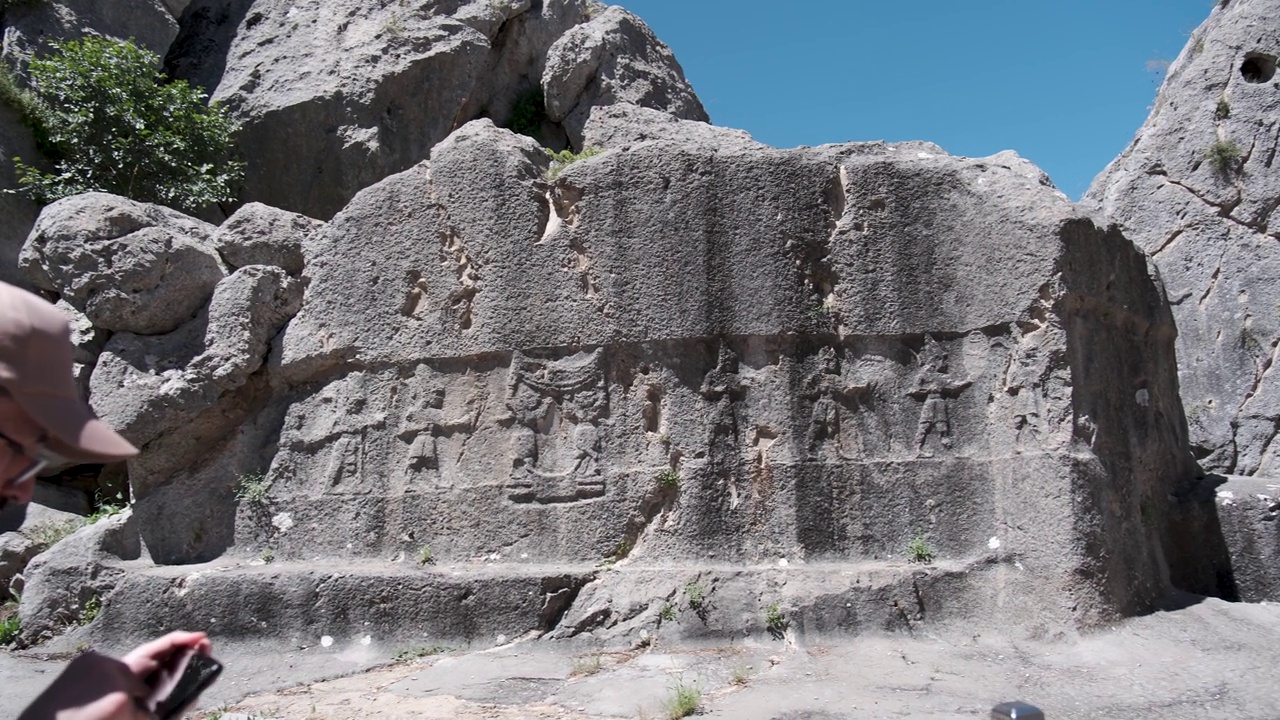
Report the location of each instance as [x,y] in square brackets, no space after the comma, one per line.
[337,94]
[1198,189]
[700,354]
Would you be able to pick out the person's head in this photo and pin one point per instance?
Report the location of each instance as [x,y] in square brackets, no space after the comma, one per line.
[42,416]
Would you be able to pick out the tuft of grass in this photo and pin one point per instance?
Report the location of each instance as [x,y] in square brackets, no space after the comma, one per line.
[668,479]
[268,555]
[696,595]
[1223,154]
[684,701]
[92,608]
[623,550]
[10,629]
[741,675]
[565,158]
[1223,110]
[252,488]
[586,666]
[774,619]
[668,612]
[420,651]
[918,550]
[425,556]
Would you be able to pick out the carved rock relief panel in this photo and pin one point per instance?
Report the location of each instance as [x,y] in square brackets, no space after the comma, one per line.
[553,427]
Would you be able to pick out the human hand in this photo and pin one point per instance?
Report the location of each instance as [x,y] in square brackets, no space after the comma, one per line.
[97,687]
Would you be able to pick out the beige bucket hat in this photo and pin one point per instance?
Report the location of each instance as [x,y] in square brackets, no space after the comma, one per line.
[36,370]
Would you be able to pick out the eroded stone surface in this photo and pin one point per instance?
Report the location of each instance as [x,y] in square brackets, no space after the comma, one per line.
[358,114]
[258,234]
[128,266]
[1212,229]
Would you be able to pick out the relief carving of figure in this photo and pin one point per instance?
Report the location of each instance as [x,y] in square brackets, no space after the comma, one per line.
[555,407]
[347,420]
[726,389]
[1031,364]
[829,392]
[934,385]
[425,424]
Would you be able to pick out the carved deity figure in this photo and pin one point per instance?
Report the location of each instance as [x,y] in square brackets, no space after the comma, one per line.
[555,408]
[933,385]
[1030,366]
[829,392]
[726,389]
[425,424]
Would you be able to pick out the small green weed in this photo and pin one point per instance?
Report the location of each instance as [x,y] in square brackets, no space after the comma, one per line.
[668,479]
[425,556]
[918,550]
[741,675]
[623,549]
[583,667]
[420,651]
[774,619]
[10,629]
[696,595]
[1223,154]
[90,611]
[252,488]
[684,701]
[268,555]
[668,612]
[1223,110]
[565,158]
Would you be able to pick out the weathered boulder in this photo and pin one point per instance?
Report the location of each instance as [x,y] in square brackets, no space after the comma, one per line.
[398,80]
[614,58]
[146,386]
[128,266]
[30,26]
[613,126]
[258,234]
[61,586]
[1249,508]
[44,527]
[1198,190]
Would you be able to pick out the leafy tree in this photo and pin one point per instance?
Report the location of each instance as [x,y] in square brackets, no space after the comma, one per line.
[111,121]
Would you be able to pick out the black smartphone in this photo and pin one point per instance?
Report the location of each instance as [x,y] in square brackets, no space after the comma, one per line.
[176,685]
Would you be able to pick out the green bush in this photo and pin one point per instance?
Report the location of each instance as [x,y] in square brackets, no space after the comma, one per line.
[112,122]
[565,158]
[1223,155]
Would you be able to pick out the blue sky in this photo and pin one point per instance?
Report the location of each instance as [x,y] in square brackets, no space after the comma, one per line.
[1065,83]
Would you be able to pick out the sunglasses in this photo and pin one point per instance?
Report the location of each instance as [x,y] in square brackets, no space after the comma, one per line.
[41,458]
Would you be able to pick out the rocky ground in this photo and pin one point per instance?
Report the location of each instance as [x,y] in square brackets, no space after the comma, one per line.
[1209,659]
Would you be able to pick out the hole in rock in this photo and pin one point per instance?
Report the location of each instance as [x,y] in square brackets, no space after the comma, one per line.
[1258,67]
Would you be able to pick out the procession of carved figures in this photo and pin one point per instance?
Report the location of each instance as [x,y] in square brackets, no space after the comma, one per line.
[551,428]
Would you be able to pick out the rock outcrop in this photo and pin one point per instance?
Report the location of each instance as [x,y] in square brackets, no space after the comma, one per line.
[29,27]
[1249,508]
[127,266]
[1198,189]
[322,126]
[873,383]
